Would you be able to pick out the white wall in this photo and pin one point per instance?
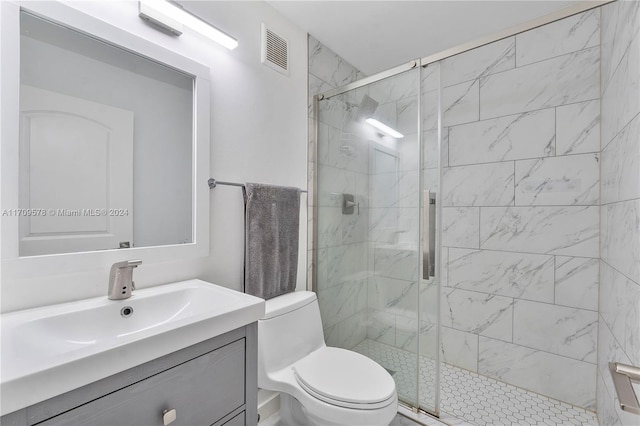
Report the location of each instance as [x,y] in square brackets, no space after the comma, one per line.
[258,134]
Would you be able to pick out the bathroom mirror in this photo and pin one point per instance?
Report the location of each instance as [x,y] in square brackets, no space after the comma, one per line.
[106,144]
[105,138]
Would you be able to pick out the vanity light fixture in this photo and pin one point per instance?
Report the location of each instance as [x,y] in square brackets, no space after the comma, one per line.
[172,17]
[384,128]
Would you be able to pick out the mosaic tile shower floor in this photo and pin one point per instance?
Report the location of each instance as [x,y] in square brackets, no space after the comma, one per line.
[470,397]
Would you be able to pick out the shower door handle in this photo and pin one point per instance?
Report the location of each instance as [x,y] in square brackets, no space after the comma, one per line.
[429,235]
[623,375]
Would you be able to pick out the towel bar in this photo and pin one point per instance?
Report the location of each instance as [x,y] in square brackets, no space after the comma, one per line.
[213,183]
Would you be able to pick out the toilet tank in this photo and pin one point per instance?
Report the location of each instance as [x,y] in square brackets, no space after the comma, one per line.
[290,330]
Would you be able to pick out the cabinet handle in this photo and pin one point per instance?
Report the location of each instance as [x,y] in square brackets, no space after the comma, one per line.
[168,416]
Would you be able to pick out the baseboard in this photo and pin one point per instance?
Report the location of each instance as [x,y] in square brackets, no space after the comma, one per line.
[268,403]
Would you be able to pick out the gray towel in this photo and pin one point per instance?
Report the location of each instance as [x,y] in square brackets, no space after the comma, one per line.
[271,239]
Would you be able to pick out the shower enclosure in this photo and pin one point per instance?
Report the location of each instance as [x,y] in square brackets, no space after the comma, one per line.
[462,236]
[377,255]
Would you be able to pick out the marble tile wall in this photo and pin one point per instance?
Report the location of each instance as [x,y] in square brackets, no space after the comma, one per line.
[343,167]
[520,205]
[619,313]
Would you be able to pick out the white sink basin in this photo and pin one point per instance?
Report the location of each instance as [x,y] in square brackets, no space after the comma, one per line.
[51,350]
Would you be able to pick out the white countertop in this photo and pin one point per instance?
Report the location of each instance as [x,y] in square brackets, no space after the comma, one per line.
[51,350]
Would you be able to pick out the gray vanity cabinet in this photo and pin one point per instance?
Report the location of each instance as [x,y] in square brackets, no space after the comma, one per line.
[211,383]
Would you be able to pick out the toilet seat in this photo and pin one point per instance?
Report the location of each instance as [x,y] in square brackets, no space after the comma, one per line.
[345,379]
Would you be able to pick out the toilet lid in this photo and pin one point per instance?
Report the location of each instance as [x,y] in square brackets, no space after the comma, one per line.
[344,378]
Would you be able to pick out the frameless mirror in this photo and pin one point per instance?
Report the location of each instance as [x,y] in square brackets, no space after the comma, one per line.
[106,145]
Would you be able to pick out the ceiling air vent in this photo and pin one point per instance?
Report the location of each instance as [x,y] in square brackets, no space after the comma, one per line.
[275,51]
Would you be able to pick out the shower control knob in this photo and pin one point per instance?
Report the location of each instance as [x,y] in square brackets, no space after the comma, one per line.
[169,416]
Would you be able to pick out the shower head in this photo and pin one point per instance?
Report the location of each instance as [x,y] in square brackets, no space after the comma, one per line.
[367,107]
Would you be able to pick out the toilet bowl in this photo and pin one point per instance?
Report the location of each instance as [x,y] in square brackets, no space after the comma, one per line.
[319,385]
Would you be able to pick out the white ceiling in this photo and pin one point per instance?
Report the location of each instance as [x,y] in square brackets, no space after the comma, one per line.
[377,35]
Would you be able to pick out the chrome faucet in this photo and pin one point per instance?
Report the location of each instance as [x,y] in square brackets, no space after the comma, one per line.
[121,279]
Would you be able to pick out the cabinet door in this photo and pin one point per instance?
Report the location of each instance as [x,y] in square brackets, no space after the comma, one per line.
[201,391]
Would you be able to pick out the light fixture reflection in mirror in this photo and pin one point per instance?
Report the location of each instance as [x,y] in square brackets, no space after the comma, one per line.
[173,18]
[106,145]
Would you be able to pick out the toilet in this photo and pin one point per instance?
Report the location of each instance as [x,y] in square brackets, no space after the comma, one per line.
[318,385]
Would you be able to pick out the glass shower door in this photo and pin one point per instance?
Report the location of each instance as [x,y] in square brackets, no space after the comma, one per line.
[368,218]
[430,273]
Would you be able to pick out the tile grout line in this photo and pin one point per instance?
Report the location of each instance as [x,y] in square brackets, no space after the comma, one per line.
[515,184]
[549,255]
[479,229]
[554,279]
[527,112]
[555,133]
[519,298]
[513,320]
[521,66]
